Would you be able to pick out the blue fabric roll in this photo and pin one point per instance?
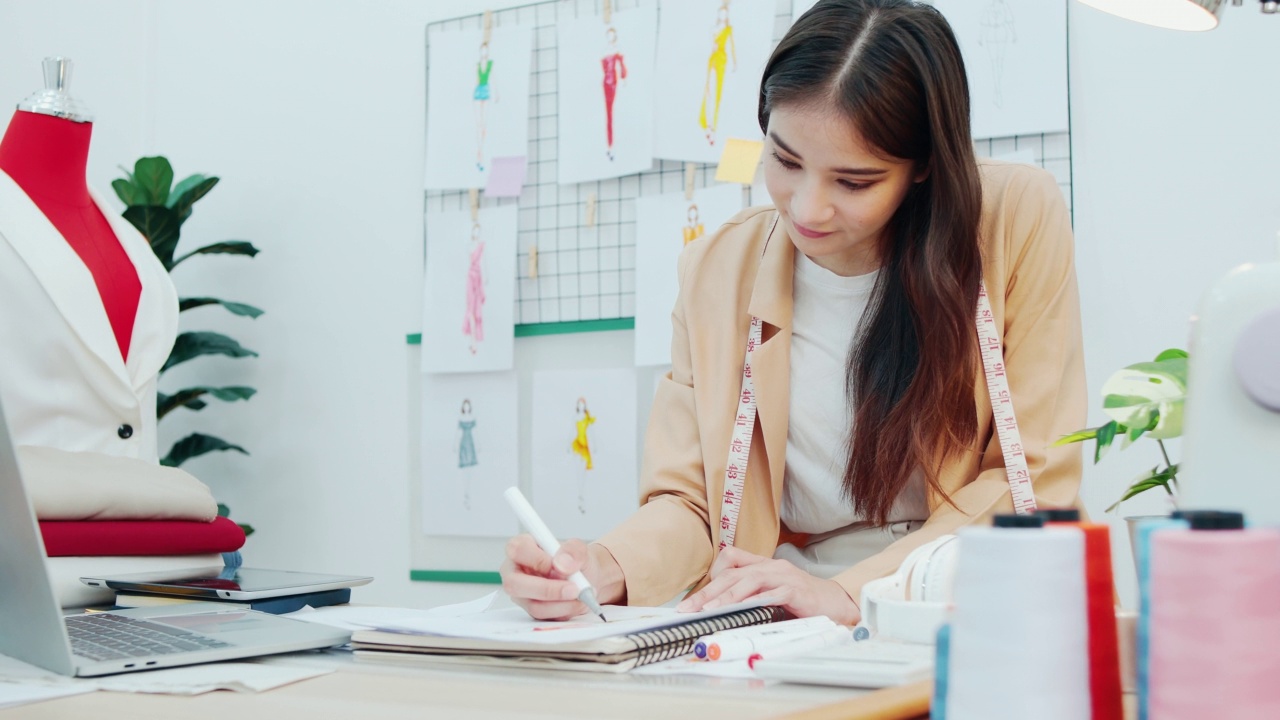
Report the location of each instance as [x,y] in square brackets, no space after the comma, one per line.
[1146,530]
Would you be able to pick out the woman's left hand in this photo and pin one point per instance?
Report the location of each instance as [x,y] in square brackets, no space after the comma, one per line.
[738,575]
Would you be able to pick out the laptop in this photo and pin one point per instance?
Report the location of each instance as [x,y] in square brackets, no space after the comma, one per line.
[33,629]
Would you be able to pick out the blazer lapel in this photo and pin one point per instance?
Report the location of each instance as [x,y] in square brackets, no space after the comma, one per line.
[60,271]
[156,324]
[772,302]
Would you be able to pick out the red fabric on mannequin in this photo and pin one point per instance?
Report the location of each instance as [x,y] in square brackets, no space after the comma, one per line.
[109,538]
[47,157]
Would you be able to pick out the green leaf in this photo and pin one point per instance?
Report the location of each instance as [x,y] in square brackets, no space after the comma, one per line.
[191,345]
[153,175]
[248,529]
[1143,392]
[223,510]
[1075,437]
[1153,479]
[195,445]
[160,226]
[181,203]
[189,397]
[226,247]
[183,187]
[1106,434]
[1172,354]
[235,307]
[126,191]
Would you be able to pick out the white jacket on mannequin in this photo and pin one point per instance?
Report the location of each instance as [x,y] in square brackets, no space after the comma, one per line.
[62,379]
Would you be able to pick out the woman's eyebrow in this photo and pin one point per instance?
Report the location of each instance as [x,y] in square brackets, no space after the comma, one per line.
[839,171]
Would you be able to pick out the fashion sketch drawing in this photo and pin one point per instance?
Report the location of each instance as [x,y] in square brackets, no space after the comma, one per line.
[582,448]
[693,228]
[473,317]
[997,34]
[466,450]
[615,72]
[717,64]
[480,98]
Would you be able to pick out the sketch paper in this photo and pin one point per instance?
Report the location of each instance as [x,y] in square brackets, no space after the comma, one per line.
[606,95]
[1015,52]
[469,293]
[477,103]
[506,177]
[584,450]
[711,54]
[665,224]
[470,437]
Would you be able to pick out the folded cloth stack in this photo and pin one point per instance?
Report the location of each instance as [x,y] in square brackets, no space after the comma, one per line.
[101,514]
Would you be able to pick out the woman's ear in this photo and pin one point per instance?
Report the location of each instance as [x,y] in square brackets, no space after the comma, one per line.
[921,175]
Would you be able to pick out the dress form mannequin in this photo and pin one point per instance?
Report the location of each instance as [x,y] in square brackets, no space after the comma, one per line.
[88,314]
[46,156]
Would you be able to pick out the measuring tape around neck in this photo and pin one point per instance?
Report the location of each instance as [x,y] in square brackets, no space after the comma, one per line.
[1006,423]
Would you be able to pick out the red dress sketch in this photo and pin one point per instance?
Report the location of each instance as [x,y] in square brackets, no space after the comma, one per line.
[473,319]
[615,69]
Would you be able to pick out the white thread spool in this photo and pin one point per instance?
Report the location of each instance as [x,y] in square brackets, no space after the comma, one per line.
[1019,631]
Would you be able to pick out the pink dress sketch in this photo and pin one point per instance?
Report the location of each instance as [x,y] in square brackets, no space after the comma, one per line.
[473,319]
[615,70]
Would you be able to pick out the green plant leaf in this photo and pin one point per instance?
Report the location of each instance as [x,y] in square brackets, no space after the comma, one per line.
[226,247]
[1172,354]
[126,191]
[160,226]
[182,203]
[1106,434]
[195,445]
[248,529]
[185,186]
[235,307]
[1153,479]
[223,510]
[191,345]
[1075,437]
[190,397]
[1141,392]
[153,175]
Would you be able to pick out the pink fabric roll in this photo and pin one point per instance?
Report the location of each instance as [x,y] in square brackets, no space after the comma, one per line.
[1215,625]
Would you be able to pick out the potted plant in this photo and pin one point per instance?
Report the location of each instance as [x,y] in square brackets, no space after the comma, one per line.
[157,208]
[1143,399]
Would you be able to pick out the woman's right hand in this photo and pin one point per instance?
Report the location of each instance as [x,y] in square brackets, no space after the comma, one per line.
[539,583]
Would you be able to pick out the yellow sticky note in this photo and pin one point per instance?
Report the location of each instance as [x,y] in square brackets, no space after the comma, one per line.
[739,160]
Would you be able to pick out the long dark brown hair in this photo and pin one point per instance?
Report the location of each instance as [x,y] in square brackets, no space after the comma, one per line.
[893,68]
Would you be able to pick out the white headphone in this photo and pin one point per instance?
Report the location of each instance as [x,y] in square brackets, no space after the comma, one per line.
[911,604]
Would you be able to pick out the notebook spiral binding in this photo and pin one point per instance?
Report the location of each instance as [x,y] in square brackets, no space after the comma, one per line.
[672,642]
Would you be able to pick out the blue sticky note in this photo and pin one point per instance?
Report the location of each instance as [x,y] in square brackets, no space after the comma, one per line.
[506,176]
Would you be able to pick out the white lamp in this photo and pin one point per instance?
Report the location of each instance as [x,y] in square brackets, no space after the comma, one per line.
[1195,15]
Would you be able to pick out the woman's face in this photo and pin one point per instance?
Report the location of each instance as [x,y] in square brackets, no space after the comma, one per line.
[834,193]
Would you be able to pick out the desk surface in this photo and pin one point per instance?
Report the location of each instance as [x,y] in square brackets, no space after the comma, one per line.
[360,689]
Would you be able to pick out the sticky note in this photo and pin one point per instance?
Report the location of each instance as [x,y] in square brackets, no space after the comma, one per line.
[739,160]
[506,176]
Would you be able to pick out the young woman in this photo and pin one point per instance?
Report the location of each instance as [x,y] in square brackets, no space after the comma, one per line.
[874,432]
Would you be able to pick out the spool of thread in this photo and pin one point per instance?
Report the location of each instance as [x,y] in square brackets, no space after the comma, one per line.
[1105,694]
[1017,643]
[1215,620]
[1145,532]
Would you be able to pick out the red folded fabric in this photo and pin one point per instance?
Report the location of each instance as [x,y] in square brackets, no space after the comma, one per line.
[102,538]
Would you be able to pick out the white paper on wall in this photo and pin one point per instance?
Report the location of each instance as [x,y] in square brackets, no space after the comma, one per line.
[584,450]
[665,224]
[606,95]
[469,293]
[710,59]
[469,454]
[1015,53]
[800,7]
[477,103]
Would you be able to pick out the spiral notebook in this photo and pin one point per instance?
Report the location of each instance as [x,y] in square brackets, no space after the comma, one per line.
[633,637]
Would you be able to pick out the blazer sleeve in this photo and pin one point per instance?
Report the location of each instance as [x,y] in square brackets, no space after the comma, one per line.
[665,546]
[1044,361]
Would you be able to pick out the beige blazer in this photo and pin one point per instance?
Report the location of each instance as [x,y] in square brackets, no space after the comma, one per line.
[745,270]
[63,383]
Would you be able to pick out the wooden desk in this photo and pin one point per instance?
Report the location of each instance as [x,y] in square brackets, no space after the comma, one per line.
[361,689]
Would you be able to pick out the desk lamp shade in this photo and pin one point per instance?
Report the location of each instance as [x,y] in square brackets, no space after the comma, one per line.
[1196,15]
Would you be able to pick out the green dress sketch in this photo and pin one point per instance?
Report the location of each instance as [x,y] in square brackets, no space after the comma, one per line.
[480,97]
[466,451]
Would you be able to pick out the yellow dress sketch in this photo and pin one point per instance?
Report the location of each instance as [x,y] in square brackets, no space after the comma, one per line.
[582,448]
[693,230]
[717,63]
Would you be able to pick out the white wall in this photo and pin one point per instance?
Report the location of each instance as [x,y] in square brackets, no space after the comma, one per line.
[312,114]
[1176,169]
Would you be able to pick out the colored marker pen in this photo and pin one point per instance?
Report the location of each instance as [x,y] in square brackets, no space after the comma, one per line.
[828,638]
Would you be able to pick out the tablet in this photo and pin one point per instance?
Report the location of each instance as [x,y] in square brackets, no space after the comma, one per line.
[225,583]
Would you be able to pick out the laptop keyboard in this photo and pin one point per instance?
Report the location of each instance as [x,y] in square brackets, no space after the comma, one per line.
[116,637]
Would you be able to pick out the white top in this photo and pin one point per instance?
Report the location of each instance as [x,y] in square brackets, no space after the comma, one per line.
[827,310]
